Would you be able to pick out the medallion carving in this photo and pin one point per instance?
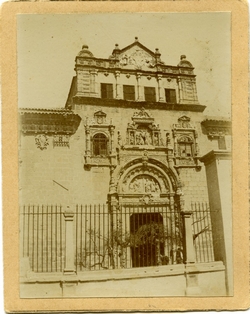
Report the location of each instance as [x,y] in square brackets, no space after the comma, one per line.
[139,58]
[42,141]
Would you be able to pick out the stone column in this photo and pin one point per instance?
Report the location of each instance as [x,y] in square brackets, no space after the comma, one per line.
[175,144]
[118,94]
[87,151]
[192,284]
[189,254]
[112,146]
[218,172]
[69,242]
[180,90]
[160,89]
[139,87]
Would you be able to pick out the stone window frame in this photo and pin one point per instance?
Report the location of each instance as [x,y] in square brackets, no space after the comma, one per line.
[96,144]
[185,130]
[96,126]
[109,92]
[185,142]
[125,92]
[150,93]
[175,96]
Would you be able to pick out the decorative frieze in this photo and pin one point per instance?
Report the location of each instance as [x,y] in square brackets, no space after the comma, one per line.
[45,121]
[61,141]
[217,128]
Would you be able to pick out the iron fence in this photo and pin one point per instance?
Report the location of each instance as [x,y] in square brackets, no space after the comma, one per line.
[129,236]
[108,237]
[202,232]
[92,237]
[43,237]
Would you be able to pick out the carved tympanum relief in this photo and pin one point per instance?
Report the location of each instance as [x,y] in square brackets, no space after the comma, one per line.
[138,58]
[144,184]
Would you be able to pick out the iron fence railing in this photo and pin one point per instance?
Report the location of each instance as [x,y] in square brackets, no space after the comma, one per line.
[129,236]
[108,237]
[43,237]
[202,232]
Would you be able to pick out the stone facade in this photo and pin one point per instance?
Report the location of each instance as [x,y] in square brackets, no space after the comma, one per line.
[127,111]
[132,133]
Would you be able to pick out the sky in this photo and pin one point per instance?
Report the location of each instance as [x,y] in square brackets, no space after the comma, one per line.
[47,45]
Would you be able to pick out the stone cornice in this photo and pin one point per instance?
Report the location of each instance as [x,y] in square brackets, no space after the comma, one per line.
[112,65]
[215,155]
[48,121]
[80,100]
[217,127]
[222,123]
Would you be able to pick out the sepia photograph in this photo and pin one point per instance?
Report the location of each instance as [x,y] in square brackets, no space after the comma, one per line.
[124,155]
[127,128]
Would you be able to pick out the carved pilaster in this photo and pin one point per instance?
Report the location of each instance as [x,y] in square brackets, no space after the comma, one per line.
[112,146]
[180,92]
[139,87]
[118,94]
[93,87]
[87,151]
[112,185]
[160,89]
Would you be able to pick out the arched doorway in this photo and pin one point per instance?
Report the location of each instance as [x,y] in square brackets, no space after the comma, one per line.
[148,216]
[145,229]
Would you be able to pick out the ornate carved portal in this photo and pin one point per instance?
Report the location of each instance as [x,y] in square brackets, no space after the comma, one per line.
[147,216]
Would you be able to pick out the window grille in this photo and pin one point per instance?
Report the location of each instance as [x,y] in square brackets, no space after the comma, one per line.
[128,92]
[107,91]
[170,95]
[149,93]
[185,147]
[100,145]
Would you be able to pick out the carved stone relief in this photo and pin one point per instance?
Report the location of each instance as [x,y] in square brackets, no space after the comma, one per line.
[143,130]
[42,141]
[186,148]
[138,59]
[144,184]
[145,181]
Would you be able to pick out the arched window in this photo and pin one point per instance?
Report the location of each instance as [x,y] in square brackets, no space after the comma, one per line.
[100,145]
[185,145]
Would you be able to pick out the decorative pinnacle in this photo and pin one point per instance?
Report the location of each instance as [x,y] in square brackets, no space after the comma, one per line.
[183,57]
[136,39]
